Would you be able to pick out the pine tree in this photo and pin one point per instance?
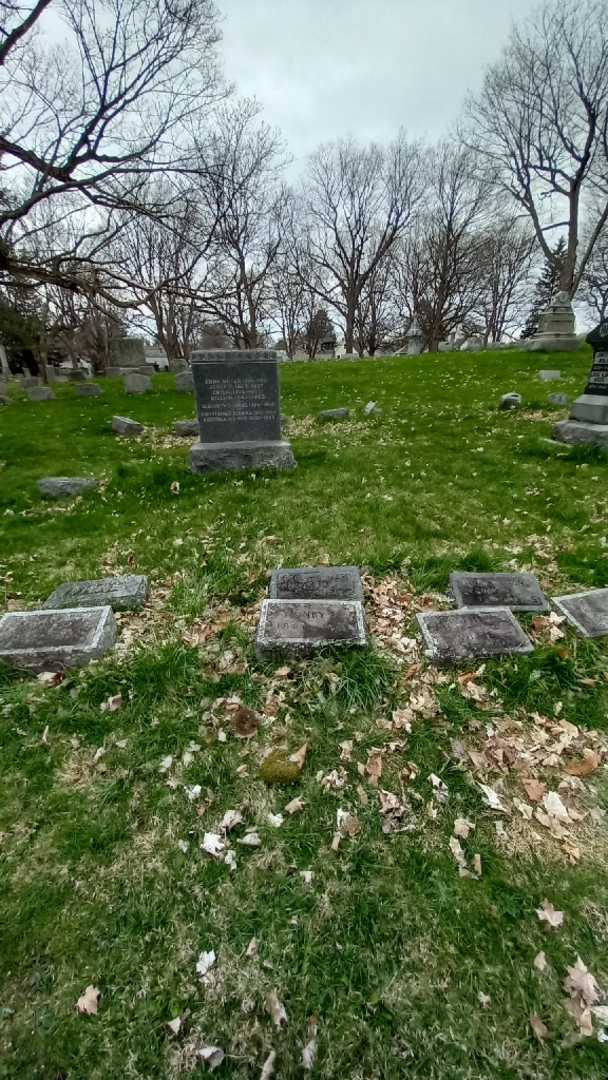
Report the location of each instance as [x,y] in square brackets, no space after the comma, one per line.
[546,287]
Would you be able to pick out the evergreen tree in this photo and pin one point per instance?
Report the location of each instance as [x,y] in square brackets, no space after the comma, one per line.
[546,287]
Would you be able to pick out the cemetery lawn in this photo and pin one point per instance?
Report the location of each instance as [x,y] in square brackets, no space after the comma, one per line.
[111,779]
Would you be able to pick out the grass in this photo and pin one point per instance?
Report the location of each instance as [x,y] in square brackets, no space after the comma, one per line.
[103,878]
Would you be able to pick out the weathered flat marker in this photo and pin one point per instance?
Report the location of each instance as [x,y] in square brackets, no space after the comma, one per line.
[298,628]
[520,592]
[56,640]
[125,593]
[587,611]
[60,487]
[316,583]
[472,633]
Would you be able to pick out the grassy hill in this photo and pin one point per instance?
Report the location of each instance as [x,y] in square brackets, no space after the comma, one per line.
[412,947]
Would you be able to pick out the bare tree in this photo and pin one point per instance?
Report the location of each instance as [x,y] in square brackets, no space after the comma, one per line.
[594,282]
[376,318]
[85,123]
[505,254]
[357,202]
[540,124]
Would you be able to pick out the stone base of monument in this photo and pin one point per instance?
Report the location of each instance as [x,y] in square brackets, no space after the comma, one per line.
[554,343]
[580,433]
[241,456]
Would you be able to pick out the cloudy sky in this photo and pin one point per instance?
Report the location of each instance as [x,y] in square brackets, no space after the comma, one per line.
[326,68]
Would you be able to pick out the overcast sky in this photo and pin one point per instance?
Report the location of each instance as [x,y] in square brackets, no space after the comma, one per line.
[322,69]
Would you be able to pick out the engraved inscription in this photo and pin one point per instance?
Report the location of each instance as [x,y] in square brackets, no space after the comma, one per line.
[237,398]
[598,377]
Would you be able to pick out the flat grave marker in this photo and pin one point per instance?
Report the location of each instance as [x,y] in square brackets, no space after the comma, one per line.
[123,425]
[316,583]
[298,628]
[55,640]
[124,593]
[61,487]
[519,591]
[586,611]
[472,634]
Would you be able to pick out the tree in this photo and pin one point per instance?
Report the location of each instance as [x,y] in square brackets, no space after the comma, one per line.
[546,288]
[506,252]
[540,126]
[319,328]
[375,318]
[594,283]
[85,123]
[357,201]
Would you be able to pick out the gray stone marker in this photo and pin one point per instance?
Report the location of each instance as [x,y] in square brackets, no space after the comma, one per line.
[123,425]
[77,375]
[124,593]
[127,352]
[414,338]
[519,592]
[184,382]
[510,401]
[558,399]
[40,393]
[239,413]
[5,400]
[556,327]
[371,409]
[59,487]
[56,640]
[549,375]
[185,427]
[334,414]
[88,390]
[137,384]
[587,611]
[588,420]
[316,583]
[472,633]
[298,628]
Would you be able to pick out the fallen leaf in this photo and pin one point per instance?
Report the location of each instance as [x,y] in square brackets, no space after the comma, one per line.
[166,763]
[299,756]
[462,828]
[484,1000]
[112,704]
[591,761]
[493,799]
[275,1008]
[244,722]
[213,845]
[373,767]
[601,1012]
[555,807]
[295,806]
[276,820]
[50,678]
[535,790]
[175,1025]
[540,1030]
[540,961]
[231,819]
[252,948]
[88,1002]
[547,913]
[309,1052]
[212,1056]
[204,963]
[579,980]
[174,488]
[268,1066]
[251,839]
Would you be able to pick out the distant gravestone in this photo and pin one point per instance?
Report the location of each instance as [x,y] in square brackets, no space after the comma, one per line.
[184,382]
[549,375]
[371,409]
[61,487]
[239,413]
[5,400]
[328,415]
[123,425]
[40,393]
[510,401]
[127,352]
[587,611]
[414,338]
[299,628]
[27,381]
[185,427]
[77,375]
[316,583]
[519,592]
[56,640]
[88,390]
[124,593]
[472,634]
[558,399]
[556,327]
[137,384]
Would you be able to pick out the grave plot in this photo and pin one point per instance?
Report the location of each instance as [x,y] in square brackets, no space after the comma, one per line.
[586,611]
[519,592]
[298,628]
[125,593]
[473,633]
[316,583]
[55,640]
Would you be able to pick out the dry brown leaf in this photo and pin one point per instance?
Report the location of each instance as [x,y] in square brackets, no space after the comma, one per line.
[547,913]
[275,1009]
[211,1056]
[298,758]
[540,961]
[373,767]
[462,827]
[535,790]
[540,1030]
[88,1002]
[295,806]
[309,1052]
[484,1000]
[244,722]
[590,762]
[580,981]
[268,1066]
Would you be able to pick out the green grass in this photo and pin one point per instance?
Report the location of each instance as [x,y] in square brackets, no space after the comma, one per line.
[386,946]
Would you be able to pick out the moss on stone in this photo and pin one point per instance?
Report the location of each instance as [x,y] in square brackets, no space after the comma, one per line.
[278,769]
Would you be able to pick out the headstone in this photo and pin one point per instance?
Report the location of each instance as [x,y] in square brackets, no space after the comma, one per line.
[298,628]
[28,381]
[371,409]
[333,414]
[588,420]
[510,401]
[77,375]
[184,382]
[415,339]
[316,583]
[556,327]
[127,352]
[88,390]
[61,487]
[472,634]
[472,344]
[5,400]
[519,592]
[125,593]
[137,384]
[40,393]
[549,375]
[185,427]
[558,399]
[123,425]
[239,412]
[587,611]
[56,640]
[445,346]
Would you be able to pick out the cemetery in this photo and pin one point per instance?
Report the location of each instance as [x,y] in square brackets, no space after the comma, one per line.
[303,541]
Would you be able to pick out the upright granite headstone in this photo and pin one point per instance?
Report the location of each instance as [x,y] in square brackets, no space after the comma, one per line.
[239,412]
[55,640]
[184,382]
[588,420]
[127,352]
[137,384]
[556,327]
[414,338]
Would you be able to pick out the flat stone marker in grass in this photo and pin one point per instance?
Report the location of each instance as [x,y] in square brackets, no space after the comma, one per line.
[40,393]
[56,640]
[123,593]
[549,375]
[520,592]
[558,399]
[123,425]
[298,628]
[185,427]
[137,384]
[328,415]
[586,611]
[61,487]
[316,583]
[88,390]
[472,634]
